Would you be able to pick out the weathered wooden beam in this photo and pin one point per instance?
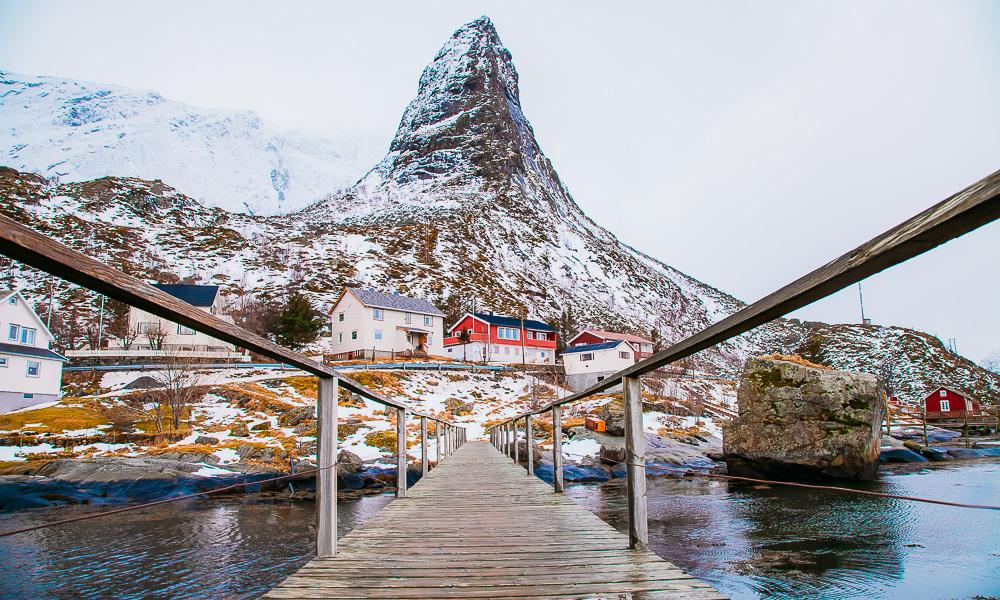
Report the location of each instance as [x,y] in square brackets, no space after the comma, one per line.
[557,459]
[528,442]
[513,425]
[635,464]
[965,211]
[437,442]
[326,480]
[423,446]
[400,452]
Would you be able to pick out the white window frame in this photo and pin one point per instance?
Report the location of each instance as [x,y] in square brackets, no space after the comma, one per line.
[14,332]
[586,356]
[3,362]
[184,330]
[27,332]
[340,337]
[340,317]
[38,368]
[378,334]
[147,326]
[408,318]
[428,321]
[945,405]
[624,354]
[378,314]
[12,301]
[354,334]
[943,393]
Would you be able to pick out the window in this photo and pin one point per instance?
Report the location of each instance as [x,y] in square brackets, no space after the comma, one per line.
[13,300]
[542,353]
[506,349]
[428,320]
[15,332]
[378,334]
[340,317]
[429,342]
[408,318]
[148,326]
[340,337]
[623,354]
[354,334]
[496,349]
[28,336]
[29,395]
[33,368]
[600,377]
[377,312]
[968,405]
[943,393]
[508,333]
[184,330]
[587,356]
[945,406]
[3,361]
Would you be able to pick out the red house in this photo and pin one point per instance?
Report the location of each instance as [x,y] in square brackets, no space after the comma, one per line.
[947,403]
[500,339]
[643,347]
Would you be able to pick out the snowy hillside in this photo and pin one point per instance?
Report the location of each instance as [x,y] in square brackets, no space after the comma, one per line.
[76,130]
[992,362]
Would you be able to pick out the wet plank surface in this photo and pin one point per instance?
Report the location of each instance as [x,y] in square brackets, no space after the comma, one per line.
[479,527]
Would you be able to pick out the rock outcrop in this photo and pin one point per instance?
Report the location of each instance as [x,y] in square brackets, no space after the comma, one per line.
[798,421]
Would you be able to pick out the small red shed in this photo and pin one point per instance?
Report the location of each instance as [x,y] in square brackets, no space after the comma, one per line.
[948,403]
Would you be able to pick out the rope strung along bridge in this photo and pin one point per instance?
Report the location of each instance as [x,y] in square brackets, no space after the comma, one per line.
[476,526]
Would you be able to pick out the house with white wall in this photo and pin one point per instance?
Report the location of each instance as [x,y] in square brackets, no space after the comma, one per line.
[150,336]
[30,373]
[588,364]
[366,323]
[643,347]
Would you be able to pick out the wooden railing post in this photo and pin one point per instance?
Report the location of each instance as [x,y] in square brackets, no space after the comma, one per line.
[557,460]
[635,460]
[517,460]
[401,453]
[437,441]
[423,446]
[326,480]
[528,452]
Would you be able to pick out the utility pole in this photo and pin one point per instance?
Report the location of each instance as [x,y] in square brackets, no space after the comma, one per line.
[861,300]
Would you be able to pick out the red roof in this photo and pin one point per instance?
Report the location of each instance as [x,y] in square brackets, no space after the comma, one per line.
[611,335]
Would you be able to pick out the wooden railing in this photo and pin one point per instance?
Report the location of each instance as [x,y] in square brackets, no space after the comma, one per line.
[957,215]
[35,249]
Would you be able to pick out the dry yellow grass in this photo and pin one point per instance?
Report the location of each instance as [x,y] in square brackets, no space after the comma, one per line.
[305,386]
[795,358]
[55,419]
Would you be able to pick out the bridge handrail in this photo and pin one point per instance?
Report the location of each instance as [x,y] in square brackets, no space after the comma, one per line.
[965,211]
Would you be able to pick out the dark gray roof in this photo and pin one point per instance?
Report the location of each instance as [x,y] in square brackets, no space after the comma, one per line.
[31,351]
[592,347]
[395,302]
[513,322]
[195,295]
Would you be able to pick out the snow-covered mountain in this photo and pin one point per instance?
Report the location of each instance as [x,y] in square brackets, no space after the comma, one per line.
[77,130]
[464,206]
[992,361]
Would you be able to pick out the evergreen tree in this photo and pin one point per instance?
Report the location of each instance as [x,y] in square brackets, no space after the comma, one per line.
[298,323]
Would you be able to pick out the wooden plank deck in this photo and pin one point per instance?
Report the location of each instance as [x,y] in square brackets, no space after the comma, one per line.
[479,527]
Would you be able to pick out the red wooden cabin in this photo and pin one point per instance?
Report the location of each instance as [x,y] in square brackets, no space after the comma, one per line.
[500,339]
[948,403]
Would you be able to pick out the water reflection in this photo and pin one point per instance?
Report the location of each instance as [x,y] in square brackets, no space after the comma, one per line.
[794,543]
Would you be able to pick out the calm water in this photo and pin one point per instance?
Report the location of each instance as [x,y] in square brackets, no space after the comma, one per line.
[748,542]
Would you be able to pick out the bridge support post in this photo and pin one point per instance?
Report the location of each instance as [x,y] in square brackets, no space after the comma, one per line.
[510,445]
[517,458]
[401,453]
[437,442]
[557,461]
[635,461]
[326,480]
[528,442]
[423,446]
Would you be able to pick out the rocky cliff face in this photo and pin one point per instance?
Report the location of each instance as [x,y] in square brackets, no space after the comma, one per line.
[464,205]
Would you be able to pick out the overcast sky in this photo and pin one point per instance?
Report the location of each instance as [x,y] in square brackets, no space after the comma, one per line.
[745,143]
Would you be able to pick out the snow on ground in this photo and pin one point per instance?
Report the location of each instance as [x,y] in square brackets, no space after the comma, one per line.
[20,453]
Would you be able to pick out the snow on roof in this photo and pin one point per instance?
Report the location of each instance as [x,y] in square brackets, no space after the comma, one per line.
[195,295]
[513,322]
[4,293]
[377,299]
[593,347]
[611,335]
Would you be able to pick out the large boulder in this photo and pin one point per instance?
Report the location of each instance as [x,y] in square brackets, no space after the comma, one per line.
[348,462]
[802,421]
[613,415]
[297,415]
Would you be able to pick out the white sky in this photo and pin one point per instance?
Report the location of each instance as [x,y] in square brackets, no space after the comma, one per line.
[745,143]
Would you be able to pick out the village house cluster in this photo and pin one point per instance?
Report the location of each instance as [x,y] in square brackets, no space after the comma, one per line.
[362,324]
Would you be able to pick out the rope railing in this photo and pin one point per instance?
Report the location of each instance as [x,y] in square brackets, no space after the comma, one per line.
[965,211]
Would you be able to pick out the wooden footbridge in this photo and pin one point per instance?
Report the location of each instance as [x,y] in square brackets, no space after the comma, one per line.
[476,525]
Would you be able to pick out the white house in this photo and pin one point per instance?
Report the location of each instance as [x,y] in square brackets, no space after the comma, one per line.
[30,373]
[151,336]
[643,347]
[588,364]
[365,321]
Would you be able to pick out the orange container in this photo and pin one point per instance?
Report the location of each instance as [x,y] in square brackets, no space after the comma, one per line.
[595,424]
